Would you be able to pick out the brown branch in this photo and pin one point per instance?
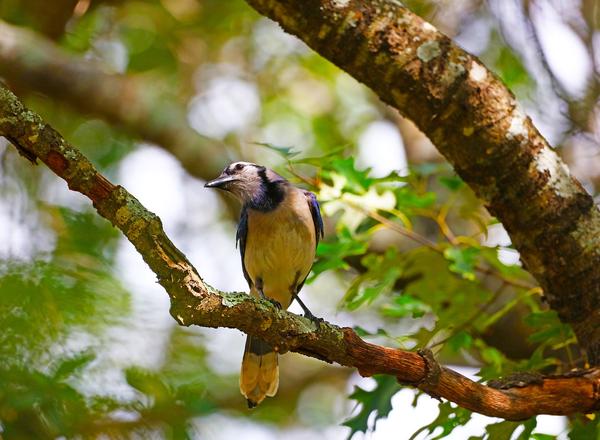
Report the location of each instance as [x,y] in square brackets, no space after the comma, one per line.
[193,302]
[476,123]
[33,61]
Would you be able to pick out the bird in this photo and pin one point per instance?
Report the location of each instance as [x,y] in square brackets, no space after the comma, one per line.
[278,232]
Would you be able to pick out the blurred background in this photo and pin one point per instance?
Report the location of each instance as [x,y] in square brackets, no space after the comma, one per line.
[160,95]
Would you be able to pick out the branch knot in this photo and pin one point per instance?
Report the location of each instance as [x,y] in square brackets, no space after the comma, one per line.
[433,370]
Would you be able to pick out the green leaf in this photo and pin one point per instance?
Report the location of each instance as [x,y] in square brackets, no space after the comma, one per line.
[549,328]
[321,161]
[538,360]
[505,430]
[529,426]
[148,383]
[586,427]
[511,69]
[463,261]
[378,401]
[453,183]
[332,254]
[84,30]
[379,278]
[449,296]
[459,341]
[362,332]
[285,152]
[70,366]
[408,199]
[495,363]
[404,305]
[357,181]
[449,418]
[501,431]
[490,255]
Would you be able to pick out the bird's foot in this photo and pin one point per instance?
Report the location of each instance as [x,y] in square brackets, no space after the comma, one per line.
[307,313]
[313,318]
[276,303]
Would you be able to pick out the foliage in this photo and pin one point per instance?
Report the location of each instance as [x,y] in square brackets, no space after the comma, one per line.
[436,281]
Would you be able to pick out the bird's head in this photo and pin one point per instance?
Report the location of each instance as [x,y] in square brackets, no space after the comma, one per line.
[248,182]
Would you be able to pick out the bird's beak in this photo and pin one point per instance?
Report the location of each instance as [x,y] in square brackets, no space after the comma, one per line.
[220,181]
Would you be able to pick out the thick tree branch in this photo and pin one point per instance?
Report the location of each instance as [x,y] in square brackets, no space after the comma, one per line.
[195,302]
[476,123]
[36,63]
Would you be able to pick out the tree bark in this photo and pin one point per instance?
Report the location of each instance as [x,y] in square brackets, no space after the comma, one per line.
[477,124]
[195,302]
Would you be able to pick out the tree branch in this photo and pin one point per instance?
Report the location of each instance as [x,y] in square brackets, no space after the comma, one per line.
[476,123]
[195,302]
[33,61]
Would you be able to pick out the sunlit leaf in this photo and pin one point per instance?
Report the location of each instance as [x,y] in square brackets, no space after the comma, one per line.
[357,181]
[408,199]
[459,341]
[381,274]
[463,260]
[377,401]
[405,305]
[449,418]
[504,430]
[332,254]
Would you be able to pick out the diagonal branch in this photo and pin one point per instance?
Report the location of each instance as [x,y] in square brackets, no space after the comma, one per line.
[477,124]
[193,302]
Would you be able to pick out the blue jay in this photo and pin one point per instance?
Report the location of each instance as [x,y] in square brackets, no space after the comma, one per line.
[278,232]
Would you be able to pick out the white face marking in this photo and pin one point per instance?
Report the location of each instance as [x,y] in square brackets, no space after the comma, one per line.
[247,181]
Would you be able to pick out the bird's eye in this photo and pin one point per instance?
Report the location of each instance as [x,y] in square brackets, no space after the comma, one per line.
[239,167]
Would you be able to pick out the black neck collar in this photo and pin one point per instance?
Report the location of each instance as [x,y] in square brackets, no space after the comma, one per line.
[271,194]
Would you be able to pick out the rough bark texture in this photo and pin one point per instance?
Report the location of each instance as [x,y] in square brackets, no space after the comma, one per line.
[32,61]
[476,123]
[195,302]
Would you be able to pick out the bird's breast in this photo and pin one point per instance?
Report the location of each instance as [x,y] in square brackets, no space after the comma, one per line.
[280,248]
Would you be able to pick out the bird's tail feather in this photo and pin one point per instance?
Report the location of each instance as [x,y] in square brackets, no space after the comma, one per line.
[259,376]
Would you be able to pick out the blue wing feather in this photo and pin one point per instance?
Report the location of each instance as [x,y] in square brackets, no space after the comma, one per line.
[315,211]
[316,214]
[240,239]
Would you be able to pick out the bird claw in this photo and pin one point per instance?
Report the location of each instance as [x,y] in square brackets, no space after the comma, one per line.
[313,318]
[277,304]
